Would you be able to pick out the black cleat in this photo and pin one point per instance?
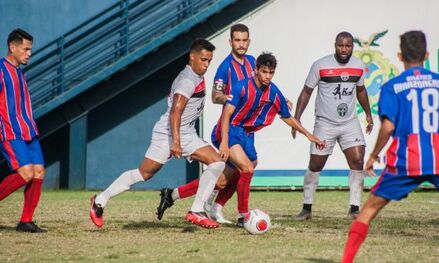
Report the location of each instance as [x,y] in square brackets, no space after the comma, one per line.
[354,212]
[166,201]
[29,227]
[240,222]
[303,215]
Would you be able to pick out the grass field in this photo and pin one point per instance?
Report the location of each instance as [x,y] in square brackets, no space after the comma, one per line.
[405,231]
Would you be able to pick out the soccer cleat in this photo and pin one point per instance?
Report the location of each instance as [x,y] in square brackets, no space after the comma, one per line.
[303,215]
[96,212]
[166,201]
[29,227]
[201,219]
[240,222]
[218,216]
[354,212]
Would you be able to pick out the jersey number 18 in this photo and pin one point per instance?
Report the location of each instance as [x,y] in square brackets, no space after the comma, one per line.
[430,115]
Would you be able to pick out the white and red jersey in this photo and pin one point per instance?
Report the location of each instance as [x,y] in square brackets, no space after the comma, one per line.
[192,86]
[336,97]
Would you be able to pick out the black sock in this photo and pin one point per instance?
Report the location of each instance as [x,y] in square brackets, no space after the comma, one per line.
[307,207]
[355,208]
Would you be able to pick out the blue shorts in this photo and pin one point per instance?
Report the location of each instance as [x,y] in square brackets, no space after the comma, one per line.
[19,153]
[397,187]
[237,135]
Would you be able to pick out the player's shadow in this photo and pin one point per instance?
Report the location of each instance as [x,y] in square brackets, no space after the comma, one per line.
[7,228]
[319,260]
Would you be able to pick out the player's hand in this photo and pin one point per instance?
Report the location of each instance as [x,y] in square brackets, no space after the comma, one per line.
[319,144]
[369,126]
[176,150]
[224,151]
[369,165]
[293,133]
[289,104]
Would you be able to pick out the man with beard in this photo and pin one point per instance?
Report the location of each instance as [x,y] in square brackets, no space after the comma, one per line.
[340,80]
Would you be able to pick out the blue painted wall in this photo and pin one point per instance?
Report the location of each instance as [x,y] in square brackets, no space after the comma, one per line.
[45,19]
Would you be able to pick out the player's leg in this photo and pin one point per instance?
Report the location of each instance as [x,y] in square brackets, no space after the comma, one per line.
[355,158]
[242,162]
[208,179]
[353,145]
[360,227]
[32,192]
[156,156]
[317,161]
[16,156]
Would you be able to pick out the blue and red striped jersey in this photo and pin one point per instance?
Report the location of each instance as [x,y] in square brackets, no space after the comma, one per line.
[411,102]
[256,107]
[231,71]
[16,120]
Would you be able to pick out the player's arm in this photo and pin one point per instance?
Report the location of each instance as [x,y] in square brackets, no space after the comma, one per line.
[296,125]
[178,105]
[384,135]
[225,125]
[218,95]
[302,102]
[363,99]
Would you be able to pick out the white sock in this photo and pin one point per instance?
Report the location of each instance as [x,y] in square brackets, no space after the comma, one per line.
[207,184]
[356,182]
[121,184]
[175,194]
[310,183]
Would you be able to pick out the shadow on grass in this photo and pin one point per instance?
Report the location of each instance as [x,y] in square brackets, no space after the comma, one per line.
[319,260]
[7,228]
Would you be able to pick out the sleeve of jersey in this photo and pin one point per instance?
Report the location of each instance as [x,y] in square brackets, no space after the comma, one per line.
[388,105]
[221,76]
[361,80]
[313,76]
[236,92]
[185,88]
[282,106]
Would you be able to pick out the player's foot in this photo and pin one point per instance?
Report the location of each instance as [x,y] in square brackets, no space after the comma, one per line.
[303,215]
[29,227]
[354,212]
[201,219]
[240,222]
[96,212]
[166,201]
[218,216]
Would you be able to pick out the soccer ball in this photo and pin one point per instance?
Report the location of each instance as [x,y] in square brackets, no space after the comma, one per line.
[257,222]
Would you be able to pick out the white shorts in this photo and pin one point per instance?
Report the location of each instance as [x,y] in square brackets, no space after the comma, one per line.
[347,135]
[160,148]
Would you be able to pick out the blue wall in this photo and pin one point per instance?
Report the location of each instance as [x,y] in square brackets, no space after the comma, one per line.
[45,19]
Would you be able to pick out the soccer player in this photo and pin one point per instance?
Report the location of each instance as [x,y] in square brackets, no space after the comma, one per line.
[340,81]
[253,104]
[174,135]
[19,134]
[238,65]
[409,112]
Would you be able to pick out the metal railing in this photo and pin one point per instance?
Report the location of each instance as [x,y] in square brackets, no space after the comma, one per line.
[101,41]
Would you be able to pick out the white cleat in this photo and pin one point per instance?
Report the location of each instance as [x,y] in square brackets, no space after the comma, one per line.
[218,217]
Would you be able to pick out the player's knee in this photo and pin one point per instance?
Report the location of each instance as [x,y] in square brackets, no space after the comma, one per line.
[26,172]
[315,168]
[39,172]
[357,163]
[248,169]
[222,182]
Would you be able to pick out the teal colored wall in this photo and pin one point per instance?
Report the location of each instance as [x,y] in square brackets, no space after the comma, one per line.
[45,19]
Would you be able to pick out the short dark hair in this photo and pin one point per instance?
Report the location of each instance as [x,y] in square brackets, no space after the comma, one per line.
[266,59]
[344,34]
[238,28]
[200,44]
[413,46]
[17,35]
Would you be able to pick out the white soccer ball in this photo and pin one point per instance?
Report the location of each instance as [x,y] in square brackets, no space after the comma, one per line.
[257,222]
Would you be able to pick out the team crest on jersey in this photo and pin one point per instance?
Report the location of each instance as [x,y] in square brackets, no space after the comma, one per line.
[342,109]
[344,76]
[378,68]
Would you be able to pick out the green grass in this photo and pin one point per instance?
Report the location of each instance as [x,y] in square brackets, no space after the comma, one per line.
[405,231]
